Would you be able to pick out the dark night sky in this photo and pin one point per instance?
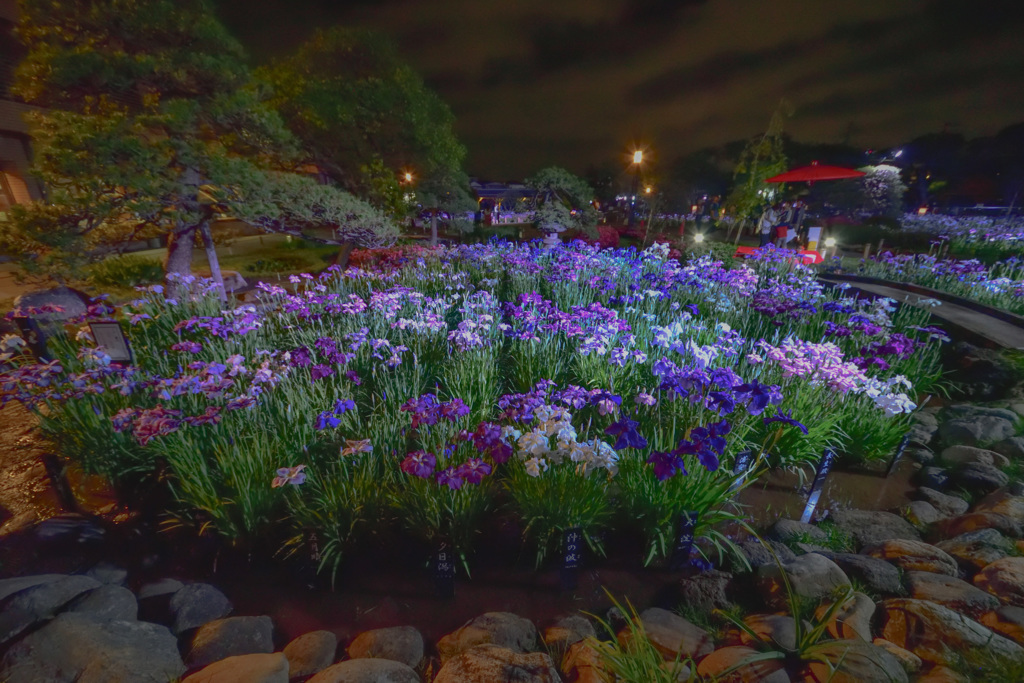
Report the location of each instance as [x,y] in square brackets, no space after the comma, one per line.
[535,82]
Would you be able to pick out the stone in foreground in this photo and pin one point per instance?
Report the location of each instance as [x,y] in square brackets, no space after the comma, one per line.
[489,664]
[74,648]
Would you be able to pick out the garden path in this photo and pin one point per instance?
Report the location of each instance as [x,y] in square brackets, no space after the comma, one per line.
[973,321]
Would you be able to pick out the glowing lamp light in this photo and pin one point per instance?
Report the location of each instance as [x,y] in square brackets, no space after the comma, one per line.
[698,238]
[830,242]
[648,189]
[638,156]
[922,211]
[408,177]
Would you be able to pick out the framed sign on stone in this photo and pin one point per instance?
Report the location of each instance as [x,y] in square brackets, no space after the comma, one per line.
[111,337]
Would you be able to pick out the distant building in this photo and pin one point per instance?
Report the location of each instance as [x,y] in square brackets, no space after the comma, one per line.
[16,185]
[502,202]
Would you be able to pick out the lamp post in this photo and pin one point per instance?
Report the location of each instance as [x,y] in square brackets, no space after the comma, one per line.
[638,158]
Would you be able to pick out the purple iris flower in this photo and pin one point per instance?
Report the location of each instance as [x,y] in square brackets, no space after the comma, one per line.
[721,401]
[473,470]
[758,396]
[342,406]
[786,418]
[353,377]
[419,464]
[629,437]
[451,478]
[300,357]
[326,420]
[320,371]
[665,465]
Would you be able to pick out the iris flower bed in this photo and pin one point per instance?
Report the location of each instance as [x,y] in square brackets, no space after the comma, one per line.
[431,395]
[979,236]
[1000,285]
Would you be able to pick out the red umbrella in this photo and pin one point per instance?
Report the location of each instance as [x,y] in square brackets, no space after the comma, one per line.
[814,172]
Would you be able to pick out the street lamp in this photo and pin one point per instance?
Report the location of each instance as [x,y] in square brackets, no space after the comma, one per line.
[638,159]
[648,189]
[698,238]
[408,177]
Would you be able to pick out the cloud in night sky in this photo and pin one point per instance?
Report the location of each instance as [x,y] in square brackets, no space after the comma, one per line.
[536,82]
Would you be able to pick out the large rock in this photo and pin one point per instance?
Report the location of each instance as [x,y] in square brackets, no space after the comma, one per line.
[160,587]
[922,434]
[40,602]
[1007,621]
[583,664]
[108,574]
[979,478]
[877,575]
[732,659]
[1002,503]
[920,513]
[975,521]
[951,592]
[914,556]
[367,671]
[311,653]
[487,664]
[962,455]
[970,431]
[258,668]
[854,661]
[977,549]
[932,477]
[493,628]
[74,648]
[706,591]
[759,553]
[949,506]
[1012,448]
[107,603]
[197,604]
[231,637]
[1004,579]
[786,530]
[811,576]
[911,663]
[941,674]
[71,302]
[969,410]
[9,587]
[932,631]
[852,620]
[776,630]
[869,527]
[672,635]
[567,632]
[399,643]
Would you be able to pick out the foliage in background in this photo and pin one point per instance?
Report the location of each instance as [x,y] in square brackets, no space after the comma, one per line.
[562,200]
[364,115]
[147,108]
[763,157]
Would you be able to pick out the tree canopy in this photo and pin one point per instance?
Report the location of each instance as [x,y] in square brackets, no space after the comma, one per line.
[362,114]
[152,125]
[562,199]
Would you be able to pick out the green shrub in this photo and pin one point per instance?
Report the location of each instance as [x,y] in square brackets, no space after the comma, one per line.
[126,271]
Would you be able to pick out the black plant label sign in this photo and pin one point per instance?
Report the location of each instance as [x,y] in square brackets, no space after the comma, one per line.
[899,454]
[824,467]
[742,462]
[444,571]
[572,548]
[684,540]
[572,556]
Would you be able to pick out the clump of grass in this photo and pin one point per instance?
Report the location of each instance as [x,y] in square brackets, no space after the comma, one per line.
[982,665]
